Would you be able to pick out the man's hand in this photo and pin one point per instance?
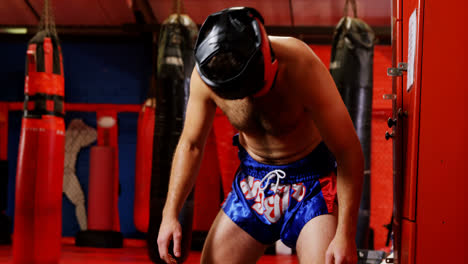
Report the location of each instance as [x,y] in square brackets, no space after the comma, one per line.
[342,250]
[170,229]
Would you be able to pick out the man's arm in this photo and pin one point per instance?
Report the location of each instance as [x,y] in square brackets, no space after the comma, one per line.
[336,129]
[186,163]
[189,152]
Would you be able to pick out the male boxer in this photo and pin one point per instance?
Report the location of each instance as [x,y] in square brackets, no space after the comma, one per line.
[301,161]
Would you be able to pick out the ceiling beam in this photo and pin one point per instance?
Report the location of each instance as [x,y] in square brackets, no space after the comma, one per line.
[309,34]
[324,34]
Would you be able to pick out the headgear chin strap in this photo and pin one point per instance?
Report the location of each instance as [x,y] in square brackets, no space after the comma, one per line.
[237,36]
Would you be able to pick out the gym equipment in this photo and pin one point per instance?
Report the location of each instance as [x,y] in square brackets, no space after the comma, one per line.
[351,67]
[77,136]
[174,67]
[103,227]
[239,32]
[101,202]
[38,202]
[143,164]
[107,128]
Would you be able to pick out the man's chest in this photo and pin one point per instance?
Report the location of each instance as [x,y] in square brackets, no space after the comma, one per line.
[273,116]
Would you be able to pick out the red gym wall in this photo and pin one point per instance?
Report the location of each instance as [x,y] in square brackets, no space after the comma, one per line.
[209,179]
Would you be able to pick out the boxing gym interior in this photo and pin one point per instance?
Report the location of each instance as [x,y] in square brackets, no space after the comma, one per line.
[92,99]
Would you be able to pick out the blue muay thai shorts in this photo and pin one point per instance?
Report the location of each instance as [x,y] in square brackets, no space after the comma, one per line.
[272,202]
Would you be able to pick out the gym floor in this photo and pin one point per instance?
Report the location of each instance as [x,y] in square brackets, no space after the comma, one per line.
[134,251]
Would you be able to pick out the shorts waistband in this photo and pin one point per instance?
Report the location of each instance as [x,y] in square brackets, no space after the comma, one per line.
[319,163]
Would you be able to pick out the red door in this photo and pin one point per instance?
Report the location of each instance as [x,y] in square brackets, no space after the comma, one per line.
[407,24]
[431,143]
[442,197]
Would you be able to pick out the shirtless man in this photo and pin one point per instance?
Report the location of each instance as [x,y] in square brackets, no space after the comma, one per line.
[300,156]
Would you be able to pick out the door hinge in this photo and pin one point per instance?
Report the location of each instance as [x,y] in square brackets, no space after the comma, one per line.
[394,72]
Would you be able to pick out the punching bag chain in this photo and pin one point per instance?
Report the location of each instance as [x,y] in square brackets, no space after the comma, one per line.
[178,7]
[47,22]
[353,5]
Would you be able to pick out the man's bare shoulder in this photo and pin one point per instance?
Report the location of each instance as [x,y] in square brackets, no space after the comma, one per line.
[288,41]
[198,87]
[291,50]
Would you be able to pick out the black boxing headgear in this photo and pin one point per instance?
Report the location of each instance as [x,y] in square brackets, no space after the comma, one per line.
[233,54]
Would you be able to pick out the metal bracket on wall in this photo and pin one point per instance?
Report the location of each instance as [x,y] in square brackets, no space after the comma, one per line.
[394,72]
[389,96]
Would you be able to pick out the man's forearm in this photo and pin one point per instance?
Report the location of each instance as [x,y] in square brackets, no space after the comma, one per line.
[185,166]
[349,188]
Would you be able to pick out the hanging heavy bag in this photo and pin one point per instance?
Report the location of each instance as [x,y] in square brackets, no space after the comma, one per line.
[144,149]
[351,67]
[175,64]
[38,196]
[143,165]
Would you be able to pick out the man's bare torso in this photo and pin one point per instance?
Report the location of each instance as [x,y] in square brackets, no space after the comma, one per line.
[275,128]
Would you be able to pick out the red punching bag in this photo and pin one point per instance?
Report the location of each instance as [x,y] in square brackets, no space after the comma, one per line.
[101,197]
[38,202]
[103,215]
[143,165]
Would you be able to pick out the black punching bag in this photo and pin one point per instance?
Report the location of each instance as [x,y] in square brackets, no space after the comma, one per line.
[351,67]
[174,67]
